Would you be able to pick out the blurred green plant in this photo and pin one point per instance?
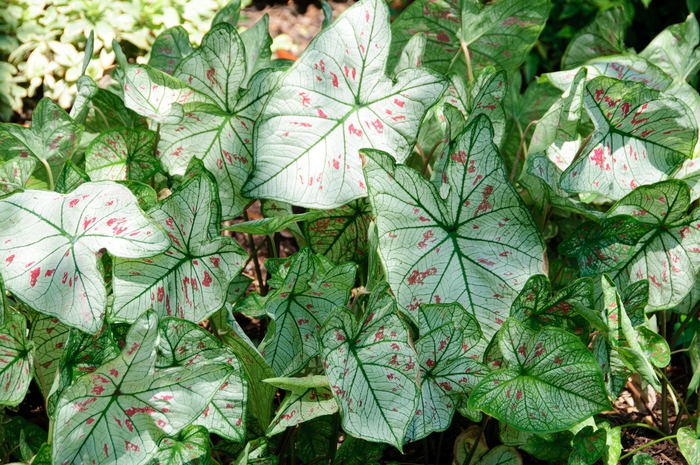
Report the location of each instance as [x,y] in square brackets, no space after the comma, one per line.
[42,42]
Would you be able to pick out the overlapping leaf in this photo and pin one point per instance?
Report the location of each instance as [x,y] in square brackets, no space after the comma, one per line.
[449,367]
[308,398]
[55,269]
[169,49]
[16,360]
[604,36]
[184,343]
[120,411]
[689,444]
[190,447]
[190,279]
[122,154]
[498,34]
[552,381]
[640,137]
[371,356]
[335,100]
[675,49]
[477,247]
[309,288]
[15,172]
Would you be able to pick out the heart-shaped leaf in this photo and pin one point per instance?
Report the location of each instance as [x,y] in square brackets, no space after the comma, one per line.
[308,398]
[605,35]
[49,337]
[55,269]
[16,361]
[374,356]
[122,154]
[689,444]
[335,100]
[190,279]
[257,42]
[449,366]
[641,136]
[190,447]
[552,381]
[310,287]
[120,411]
[477,247]
[498,34]
[186,344]
[169,49]
[52,138]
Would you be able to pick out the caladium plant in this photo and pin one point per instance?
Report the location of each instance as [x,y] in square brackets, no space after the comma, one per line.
[442,249]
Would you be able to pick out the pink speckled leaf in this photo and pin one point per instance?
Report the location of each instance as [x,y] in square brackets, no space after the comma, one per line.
[49,337]
[184,343]
[641,136]
[689,444]
[309,288]
[54,269]
[449,365]
[308,398]
[191,447]
[477,247]
[551,383]
[16,360]
[372,355]
[122,154]
[498,34]
[15,173]
[191,278]
[119,412]
[335,100]
[169,49]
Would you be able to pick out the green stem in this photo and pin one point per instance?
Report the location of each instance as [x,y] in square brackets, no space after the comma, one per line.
[688,319]
[437,459]
[642,425]
[632,452]
[256,263]
[476,440]
[664,382]
[49,174]
[272,245]
[522,149]
[333,441]
[468,59]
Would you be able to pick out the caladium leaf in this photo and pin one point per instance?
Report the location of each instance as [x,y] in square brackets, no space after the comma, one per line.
[122,154]
[228,14]
[675,49]
[190,279]
[635,297]
[605,35]
[375,356]
[588,446]
[314,437]
[501,455]
[257,42]
[449,366]
[341,234]
[412,53]
[310,287]
[55,269]
[52,138]
[552,381]
[308,398]
[169,49]
[355,451]
[223,141]
[49,337]
[468,440]
[121,410]
[640,137]
[641,458]
[689,444]
[87,90]
[477,247]
[184,343]
[70,178]
[499,34]
[111,112]
[15,172]
[654,347]
[342,102]
[190,447]
[16,360]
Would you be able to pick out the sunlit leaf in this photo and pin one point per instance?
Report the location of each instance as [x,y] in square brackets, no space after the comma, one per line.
[604,36]
[15,172]
[55,269]
[675,49]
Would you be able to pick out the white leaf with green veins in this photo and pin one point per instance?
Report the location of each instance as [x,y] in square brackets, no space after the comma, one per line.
[477,247]
[49,337]
[605,35]
[308,398]
[374,356]
[16,360]
[641,137]
[335,100]
[189,448]
[15,172]
[675,49]
[191,278]
[122,154]
[55,269]
[119,412]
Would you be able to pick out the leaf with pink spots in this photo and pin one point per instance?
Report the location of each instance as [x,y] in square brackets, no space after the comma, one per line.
[372,355]
[307,398]
[689,444]
[186,344]
[641,137]
[335,100]
[498,34]
[308,288]
[478,246]
[551,382]
[190,447]
[169,49]
[14,173]
[121,411]
[190,279]
[16,360]
[449,352]
[122,154]
[54,270]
